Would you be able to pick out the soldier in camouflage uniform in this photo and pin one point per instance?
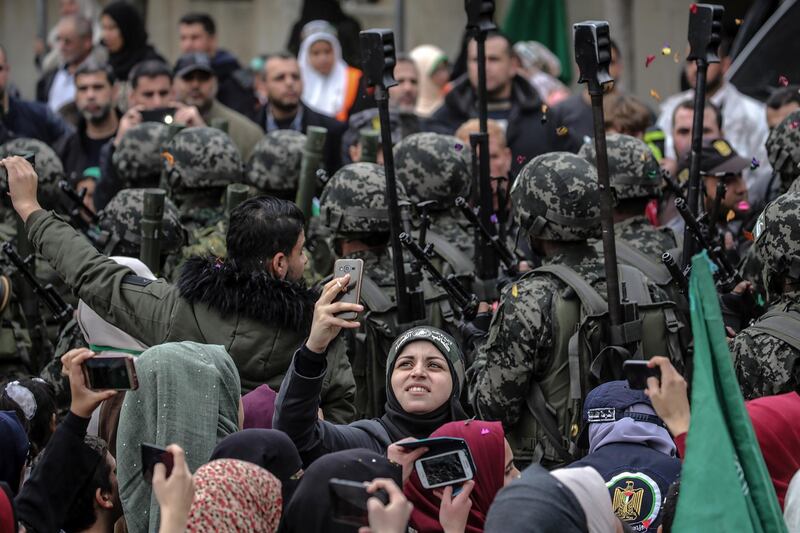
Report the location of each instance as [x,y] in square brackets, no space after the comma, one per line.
[636,179]
[137,157]
[353,208]
[432,166]
[783,151]
[274,166]
[200,163]
[557,206]
[18,353]
[767,354]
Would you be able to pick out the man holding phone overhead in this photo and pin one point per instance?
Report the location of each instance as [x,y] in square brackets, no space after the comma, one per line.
[259,321]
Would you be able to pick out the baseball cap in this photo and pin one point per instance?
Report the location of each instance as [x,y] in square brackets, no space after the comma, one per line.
[191,62]
[717,158]
[609,402]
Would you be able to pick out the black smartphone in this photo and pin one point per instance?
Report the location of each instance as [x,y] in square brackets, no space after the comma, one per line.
[151,456]
[165,115]
[117,372]
[355,268]
[637,372]
[349,501]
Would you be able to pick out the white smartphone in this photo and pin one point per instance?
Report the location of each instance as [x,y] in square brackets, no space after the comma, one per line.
[449,468]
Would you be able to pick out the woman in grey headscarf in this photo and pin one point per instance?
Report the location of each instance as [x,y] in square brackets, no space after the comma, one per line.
[189,394]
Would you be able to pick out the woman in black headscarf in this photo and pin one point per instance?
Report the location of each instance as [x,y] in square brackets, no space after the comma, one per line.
[125,37]
[270,449]
[424,376]
[310,508]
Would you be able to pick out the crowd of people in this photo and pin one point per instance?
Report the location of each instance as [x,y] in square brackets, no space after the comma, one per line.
[268,393]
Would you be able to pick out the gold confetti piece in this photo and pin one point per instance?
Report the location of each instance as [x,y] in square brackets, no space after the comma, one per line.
[738,22]
[655,95]
[676,58]
[666,51]
[730,216]
[514,290]
[544,109]
[562,131]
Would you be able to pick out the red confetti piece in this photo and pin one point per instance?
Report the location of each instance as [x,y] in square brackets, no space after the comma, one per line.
[794,124]
[520,159]
[649,60]
[693,8]
[783,81]
[748,235]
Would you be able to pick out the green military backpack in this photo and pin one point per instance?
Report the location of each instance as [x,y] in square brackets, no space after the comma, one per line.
[549,426]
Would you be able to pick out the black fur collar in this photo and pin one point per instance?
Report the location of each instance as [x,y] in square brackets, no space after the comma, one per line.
[223,287]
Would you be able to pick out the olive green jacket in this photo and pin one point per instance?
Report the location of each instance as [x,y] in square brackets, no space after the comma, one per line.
[260,320]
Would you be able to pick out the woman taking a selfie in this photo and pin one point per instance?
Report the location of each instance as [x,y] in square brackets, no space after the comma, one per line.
[425,373]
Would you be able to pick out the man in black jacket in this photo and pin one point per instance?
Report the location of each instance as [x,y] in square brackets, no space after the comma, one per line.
[94,99]
[285,110]
[512,102]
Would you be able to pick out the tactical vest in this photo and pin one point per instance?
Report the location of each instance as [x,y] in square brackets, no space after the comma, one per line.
[549,425]
[368,347]
[784,325]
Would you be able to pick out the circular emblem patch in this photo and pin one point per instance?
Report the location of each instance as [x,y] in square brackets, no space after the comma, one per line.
[636,499]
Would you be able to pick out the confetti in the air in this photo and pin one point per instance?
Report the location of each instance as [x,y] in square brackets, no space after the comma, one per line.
[754,163]
[738,22]
[783,81]
[693,8]
[485,431]
[562,131]
[676,58]
[514,290]
[744,205]
[666,50]
[458,147]
[655,95]
[544,113]
[793,124]
[493,218]
[748,235]
[649,60]
[730,216]
[520,159]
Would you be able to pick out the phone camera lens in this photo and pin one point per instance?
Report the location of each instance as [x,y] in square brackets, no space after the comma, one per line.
[347,269]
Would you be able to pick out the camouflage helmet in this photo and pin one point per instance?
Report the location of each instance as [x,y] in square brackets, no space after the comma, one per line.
[137,157]
[353,201]
[122,217]
[275,162]
[632,168]
[555,197]
[777,236]
[48,168]
[432,166]
[783,149]
[201,158]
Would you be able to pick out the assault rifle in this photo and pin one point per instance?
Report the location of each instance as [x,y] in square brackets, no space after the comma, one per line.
[62,311]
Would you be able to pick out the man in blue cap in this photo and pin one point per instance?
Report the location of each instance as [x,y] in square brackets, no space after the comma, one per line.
[632,450]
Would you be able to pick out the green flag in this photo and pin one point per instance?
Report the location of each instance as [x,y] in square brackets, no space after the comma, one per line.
[725,485]
[544,21]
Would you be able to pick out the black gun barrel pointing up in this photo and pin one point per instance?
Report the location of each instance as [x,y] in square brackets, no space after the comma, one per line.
[593,56]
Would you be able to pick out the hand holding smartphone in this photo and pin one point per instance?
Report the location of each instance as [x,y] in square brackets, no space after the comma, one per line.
[111,372]
[637,372]
[355,268]
[151,456]
[349,501]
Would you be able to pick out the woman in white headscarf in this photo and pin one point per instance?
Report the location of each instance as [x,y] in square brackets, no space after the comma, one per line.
[330,86]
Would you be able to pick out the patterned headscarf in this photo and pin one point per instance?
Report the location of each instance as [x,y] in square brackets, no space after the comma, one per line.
[232,495]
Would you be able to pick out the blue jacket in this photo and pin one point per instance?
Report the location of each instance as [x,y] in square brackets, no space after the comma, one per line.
[34,120]
[638,478]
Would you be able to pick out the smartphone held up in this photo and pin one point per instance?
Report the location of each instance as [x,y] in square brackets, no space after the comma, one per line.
[114,372]
[355,269]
